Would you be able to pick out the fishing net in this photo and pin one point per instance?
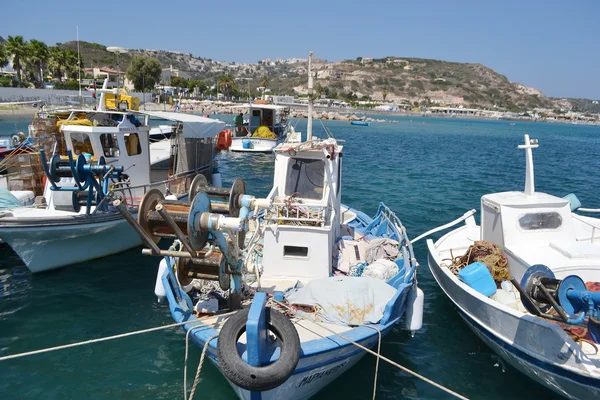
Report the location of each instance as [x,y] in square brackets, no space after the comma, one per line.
[489,254]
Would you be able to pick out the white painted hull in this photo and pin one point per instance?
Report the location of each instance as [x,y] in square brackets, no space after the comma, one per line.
[45,247]
[536,347]
[256,145]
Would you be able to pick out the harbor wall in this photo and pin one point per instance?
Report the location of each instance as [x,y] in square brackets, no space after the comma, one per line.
[54,96]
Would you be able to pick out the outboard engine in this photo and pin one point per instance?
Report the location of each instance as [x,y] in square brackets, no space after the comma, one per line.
[569,297]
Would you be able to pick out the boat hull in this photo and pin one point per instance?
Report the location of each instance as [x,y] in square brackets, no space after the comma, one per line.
[256,145]
[50,244]
[537,348]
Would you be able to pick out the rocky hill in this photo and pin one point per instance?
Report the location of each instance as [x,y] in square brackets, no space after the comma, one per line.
[400,80]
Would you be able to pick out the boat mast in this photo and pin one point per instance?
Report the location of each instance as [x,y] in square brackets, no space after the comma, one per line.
[310,99]
[529,182]
[79,68]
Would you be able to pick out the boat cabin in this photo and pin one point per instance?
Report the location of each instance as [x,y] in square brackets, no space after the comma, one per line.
[304,223]
[538,228]
[272,116]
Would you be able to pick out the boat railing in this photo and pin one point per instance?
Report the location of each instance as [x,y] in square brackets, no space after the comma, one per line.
[297,214]
[588,223]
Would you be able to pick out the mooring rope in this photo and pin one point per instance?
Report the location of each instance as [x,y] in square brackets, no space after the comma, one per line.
[197,377]
[98,340]
[395,364]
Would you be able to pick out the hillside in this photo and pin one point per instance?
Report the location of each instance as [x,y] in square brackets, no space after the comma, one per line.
[406,80]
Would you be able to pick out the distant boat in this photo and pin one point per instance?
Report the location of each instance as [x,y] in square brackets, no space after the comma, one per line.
[360,123]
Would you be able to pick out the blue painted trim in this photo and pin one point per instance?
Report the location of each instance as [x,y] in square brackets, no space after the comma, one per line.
[256,332]
[547,367]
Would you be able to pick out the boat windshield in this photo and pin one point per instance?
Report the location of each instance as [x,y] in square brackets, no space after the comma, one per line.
[305,178]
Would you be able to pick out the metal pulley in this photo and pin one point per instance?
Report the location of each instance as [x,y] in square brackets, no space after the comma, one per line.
[223,200]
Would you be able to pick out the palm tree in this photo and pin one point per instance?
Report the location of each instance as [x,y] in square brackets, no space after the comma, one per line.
[71,64]
[38,56]
[265,81]
[226,83]
[17,47]
[57,62]
[384,93]
[3,57]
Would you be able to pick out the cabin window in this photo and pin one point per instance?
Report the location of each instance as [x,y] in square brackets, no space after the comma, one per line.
[81,143]
[295,251]
[132,144]
[110,145]
[305,178]
[538,221]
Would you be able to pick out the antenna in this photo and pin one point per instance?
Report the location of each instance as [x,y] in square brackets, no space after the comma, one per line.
[117,51]
[529,181]
[310,99]
[79,68]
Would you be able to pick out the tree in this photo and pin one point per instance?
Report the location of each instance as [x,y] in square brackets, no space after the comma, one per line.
[3,57]
[57,62]
[17,48]
[144,72]
[71,63]
[265,81]
[38,55]
[226,84]
[384,93]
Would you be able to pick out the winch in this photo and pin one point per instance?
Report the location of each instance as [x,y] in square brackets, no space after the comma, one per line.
[210,228]
[569,297]
[91,180]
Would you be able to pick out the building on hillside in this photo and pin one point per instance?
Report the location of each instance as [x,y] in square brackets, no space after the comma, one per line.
[168,73]
[366,60]
[100,74]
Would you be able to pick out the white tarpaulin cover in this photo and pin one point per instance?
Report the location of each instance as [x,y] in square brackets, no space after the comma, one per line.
[194,126]
[345,300]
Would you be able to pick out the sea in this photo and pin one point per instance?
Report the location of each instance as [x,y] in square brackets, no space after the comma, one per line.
[429,171]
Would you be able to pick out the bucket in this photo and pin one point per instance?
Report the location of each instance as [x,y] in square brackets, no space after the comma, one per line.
[246,144]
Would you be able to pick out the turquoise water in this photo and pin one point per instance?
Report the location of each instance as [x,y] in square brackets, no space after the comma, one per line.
[430,171]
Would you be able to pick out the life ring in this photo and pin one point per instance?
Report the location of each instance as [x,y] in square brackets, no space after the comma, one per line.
[224,140]
[258,378]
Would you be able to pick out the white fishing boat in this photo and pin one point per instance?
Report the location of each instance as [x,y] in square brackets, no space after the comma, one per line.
[538,307]
[283,294]
[267,126]
[107,155]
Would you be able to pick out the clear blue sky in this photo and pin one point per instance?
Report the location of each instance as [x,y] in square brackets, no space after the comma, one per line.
[551,45]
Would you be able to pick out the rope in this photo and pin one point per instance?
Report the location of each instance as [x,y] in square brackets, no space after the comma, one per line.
[197,378]
[395,364]
[103,339]
[376,362]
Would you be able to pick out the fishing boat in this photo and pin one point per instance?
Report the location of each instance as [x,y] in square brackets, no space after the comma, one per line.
[266,127]
[527,283]
[99,155]
[285,293]
[360,123]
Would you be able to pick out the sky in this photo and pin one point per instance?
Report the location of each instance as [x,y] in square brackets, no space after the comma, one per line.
[550,45]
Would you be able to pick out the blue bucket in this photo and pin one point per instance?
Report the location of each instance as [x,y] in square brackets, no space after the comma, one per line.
[246,144]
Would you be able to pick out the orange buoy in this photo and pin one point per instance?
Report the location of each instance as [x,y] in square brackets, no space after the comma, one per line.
[224,140]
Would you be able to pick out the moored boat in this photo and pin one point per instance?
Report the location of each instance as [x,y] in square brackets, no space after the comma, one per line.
[526,282]
[267,126]
[285,293]
[360,123]
[107,155]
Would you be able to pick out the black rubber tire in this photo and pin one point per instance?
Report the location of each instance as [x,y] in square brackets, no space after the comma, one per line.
[264,378]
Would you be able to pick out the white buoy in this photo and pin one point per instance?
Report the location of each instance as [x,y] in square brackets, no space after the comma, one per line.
[216,179]
[413,320]
[159,289]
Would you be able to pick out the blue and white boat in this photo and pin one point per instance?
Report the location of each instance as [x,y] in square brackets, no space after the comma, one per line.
[279,292]
[542,315]
[360,123]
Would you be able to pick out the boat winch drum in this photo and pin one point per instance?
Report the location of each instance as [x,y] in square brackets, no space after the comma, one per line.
[265,377]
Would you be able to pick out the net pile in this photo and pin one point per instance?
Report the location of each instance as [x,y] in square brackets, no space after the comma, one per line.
[489,254]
